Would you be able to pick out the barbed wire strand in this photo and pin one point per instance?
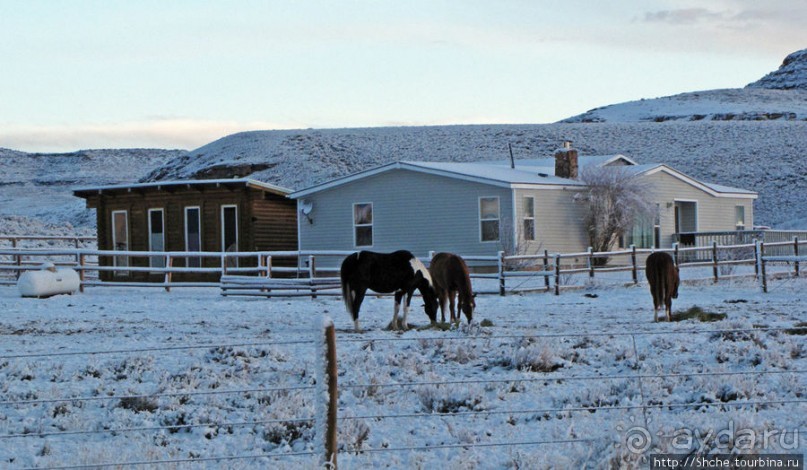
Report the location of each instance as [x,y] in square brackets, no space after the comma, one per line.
[572,378]
[569,335]
[159,348]
[571,409]
[176,461]
[378,450]
[174,427]
[381,339]
[158,395]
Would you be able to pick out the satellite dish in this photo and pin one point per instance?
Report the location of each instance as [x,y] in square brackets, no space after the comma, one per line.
[306,207]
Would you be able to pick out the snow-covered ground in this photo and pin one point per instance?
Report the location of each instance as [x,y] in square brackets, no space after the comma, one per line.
[542,369]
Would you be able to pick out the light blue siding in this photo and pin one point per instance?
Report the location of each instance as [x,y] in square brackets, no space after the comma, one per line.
[411,210]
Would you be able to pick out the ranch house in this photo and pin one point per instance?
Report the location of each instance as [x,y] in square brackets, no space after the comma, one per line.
[203,215]
[484,207]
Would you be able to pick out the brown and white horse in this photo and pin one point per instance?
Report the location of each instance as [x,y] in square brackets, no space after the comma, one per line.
[451,279]
[662,274]
[400,272]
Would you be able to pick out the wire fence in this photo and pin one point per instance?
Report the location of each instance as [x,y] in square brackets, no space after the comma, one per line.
[313,273]
[300,423]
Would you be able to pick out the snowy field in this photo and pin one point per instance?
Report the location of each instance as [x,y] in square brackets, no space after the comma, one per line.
[120,375]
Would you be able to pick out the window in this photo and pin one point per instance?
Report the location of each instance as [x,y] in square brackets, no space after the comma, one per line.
[739,217]
[641,235]
[363,224]
[529,218]
[229,232]
[193,235]
[120,239]
[489,219]
[657,227]
[156,237]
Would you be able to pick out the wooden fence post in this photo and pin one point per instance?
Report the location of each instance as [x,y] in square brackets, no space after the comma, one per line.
[501,273]
[81,272]
[312,273]
[333,396]
[757,259]
[762,266]
[796,253]
[169,263]
[546,269]
[676,257]
[557,273]
[267,262]
[591,262]
[633,262]
[714,260]
[17,257]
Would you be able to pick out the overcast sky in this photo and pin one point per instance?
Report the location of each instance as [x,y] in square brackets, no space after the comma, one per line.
[179,74]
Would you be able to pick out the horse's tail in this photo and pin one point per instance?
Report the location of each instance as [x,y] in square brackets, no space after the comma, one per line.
[659,289]
[348,293]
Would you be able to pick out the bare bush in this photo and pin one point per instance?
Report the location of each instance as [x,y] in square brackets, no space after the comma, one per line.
[615,199]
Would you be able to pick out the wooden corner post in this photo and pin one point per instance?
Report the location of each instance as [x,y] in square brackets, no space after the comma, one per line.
[331,370]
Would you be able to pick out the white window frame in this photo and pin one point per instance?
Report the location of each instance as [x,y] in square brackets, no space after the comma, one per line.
[737,224]
[152,259]
[199,235]
[657,227]
[371,224]
[497,219]
[525,218]
[697,213]
[237,240]
[116,259]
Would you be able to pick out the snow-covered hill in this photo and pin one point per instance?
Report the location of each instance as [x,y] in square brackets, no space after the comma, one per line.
[792,74]
[779,95]
[769,157]
[37,186]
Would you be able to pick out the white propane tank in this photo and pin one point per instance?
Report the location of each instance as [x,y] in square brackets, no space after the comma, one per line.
[48,281]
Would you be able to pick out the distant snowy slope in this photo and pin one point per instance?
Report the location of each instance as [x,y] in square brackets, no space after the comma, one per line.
[791,75]
[779,95]
[740,104]
[769,157]
[38,185]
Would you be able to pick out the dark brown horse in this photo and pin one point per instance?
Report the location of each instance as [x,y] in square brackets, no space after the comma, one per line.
[450,275]
[400,272]
[662,274]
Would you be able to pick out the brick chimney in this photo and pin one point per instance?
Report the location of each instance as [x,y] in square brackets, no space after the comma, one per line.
[566,161]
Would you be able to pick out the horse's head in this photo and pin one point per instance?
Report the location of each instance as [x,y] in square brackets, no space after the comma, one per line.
[676,283]
[468,305]
[429,294]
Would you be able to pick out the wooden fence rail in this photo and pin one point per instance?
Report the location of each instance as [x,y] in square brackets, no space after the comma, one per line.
[313,277]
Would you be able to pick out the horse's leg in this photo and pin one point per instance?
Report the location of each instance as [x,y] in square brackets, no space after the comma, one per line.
[452,303]
[398,296]
[668,305]
[443,305]
[357,300]
[406,308]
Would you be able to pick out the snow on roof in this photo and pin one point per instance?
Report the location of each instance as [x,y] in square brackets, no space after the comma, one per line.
[582,161]
[727,189]
[482,172]
[245,181]
[499,173]
[538,172]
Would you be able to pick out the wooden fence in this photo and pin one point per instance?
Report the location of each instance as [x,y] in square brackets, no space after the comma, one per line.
[546,271]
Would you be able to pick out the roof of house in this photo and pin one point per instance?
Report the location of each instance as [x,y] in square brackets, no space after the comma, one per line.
[538,173]
[234,182]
